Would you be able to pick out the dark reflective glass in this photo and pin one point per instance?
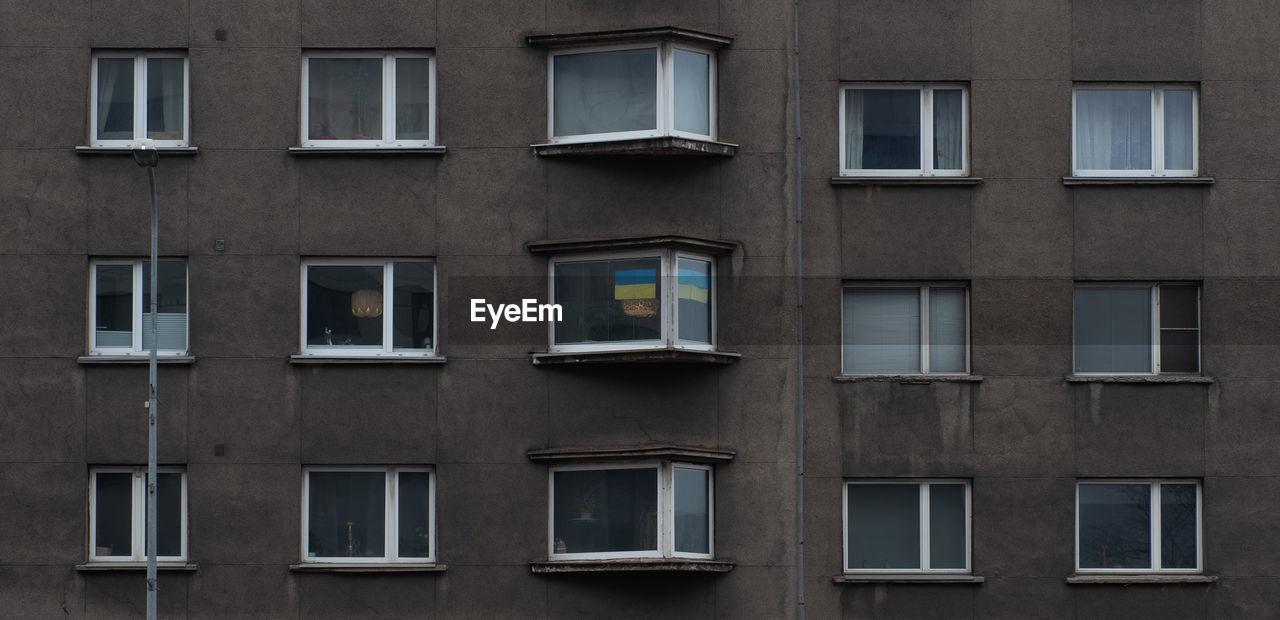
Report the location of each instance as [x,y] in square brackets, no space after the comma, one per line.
[1179,307]
[344,306]
[414,507]
[1179,351]
[113,505]
[1178,526]
[346,514]
[609,300]
[605,510]
[947,540]
[886,128]
[884,526]
[413,318]
[1115,526]
[169,514]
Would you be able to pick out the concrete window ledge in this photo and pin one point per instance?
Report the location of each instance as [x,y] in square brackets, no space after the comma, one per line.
[359,152]
[644,356]
[927,579]
[1138,379]
[691,454]
[906,181]
[164,151]
[660,565]
[1137,180]
[358,567]
[135,359]
[320,359]
[907,379]
[1126,580]
[175,567]
[662,145]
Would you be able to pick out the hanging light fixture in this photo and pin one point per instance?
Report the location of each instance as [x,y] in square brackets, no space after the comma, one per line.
[366,303]
[640,307]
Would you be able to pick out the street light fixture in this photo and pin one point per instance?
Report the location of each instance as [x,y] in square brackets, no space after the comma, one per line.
[145,154]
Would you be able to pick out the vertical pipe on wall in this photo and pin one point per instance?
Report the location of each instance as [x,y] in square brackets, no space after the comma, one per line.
[799,267]
[151,405]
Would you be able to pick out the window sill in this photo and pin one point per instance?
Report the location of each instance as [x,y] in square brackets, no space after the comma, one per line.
[135,359]
[642,356]
[1137,379]
[688,454]
[666,565]
[360,567]
[177,567]
[336,359]
[906,180]
[124,150]
[1137,180]
[664,145]
[908,578]
[907,379]
[1135,579]
[387,150]
[571,246]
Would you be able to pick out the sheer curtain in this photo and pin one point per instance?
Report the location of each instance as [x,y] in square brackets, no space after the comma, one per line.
[115,99]
[604,92]
[853,129]
[948,129]
[165,98]
[692,92]
[1113,129]
[1179,124]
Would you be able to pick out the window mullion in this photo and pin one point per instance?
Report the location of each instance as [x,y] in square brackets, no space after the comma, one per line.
[924,526]
[139,521]
[388,301]
[669,305]
[136,318]
[390,521]
[666,89]
[924,329]
[926,130]
[1156,561]
[667,510]
[139,97]
[388,104]
[1157,131]
[1155,328]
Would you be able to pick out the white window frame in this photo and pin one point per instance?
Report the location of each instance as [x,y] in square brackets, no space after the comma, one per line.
[139,98]
[923,531]
[388,304]
[668,309]
[664,105]
[138,521]
[1153,301]
[1157,131]
[137,323]
[391,512]
[1154,508]
[388,139]
[926,168]
[923,289]
[665,513]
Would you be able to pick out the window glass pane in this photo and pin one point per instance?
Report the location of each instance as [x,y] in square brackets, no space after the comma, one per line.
[412,318]
[413,98]
[1113,330]
[1179,306]
[692,510]
[344,99]
[113,306]
[345,515]
[1113,129]
[344,306]
[692,92]
[113,501]
[609,300]
[884,526]
[1179,350]
[1115,526]
[169,514]
[881,330]
[1179,127]
[948,129]
[694,295]
[946,330]
[115,99]
[1178,526]
[414,499]
[947,539]
[606,510]
[602,92]
[882,129]
[166,98]
[171,306]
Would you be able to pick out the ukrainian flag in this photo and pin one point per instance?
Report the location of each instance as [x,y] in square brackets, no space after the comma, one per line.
[694,285]
[635,284]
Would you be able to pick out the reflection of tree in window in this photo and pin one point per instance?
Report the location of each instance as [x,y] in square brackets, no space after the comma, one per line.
[1115,526]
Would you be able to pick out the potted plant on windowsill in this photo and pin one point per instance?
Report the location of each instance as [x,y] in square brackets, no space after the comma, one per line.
[586,505]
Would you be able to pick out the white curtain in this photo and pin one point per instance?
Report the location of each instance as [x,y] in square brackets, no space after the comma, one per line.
[115,99]
[165,101]
[604,92]
[948,129]
[1113,129]
[692,92]
[1178,130]
[853,129]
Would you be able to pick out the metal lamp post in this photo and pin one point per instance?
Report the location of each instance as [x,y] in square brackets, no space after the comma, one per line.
[145,154]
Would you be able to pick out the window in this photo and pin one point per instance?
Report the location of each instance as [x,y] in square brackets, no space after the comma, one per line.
[368,308]
[906,329]
[912,527]
[369,515]
[138,95]
[651,510]
[1138,526]
[368,99]
[120,303]
[1137,329]
[903,130]
[1135,130]
[634,91]
[118,514]
[634,301]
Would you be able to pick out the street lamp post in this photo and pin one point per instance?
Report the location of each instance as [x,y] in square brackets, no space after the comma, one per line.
[145,154]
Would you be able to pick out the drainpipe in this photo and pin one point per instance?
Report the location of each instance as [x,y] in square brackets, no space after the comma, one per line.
[799,267]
